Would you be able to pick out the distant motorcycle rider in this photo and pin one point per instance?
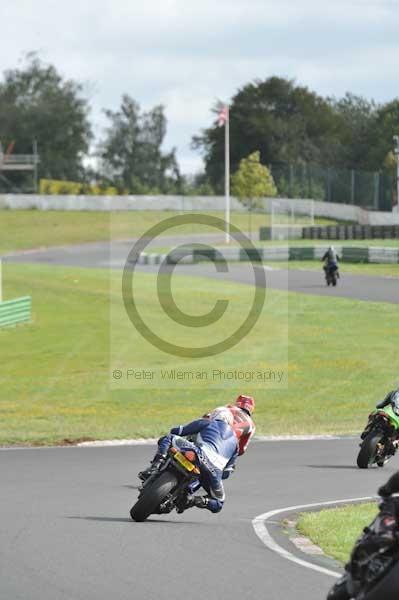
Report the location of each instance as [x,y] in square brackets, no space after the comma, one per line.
[330,259]
[216,439]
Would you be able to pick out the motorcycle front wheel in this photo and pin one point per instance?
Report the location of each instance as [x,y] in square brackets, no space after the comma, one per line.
[152,496]
[368,449]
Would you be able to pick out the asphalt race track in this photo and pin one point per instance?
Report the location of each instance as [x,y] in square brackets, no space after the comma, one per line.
[65,528]
[66,532]
[98,255]
[360,287]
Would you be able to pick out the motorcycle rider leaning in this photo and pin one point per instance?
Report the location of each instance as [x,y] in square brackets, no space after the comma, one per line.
[330,259]
[216,443]
[391,396]
[243,425]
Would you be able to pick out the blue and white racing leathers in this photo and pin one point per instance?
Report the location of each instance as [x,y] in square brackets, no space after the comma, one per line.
[217,449]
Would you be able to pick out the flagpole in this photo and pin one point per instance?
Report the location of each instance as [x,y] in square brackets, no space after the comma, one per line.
[227,173]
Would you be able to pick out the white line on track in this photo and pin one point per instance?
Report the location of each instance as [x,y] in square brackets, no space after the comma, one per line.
[152,441]
[268,268]
[260,438]
[301,438]
[259,525]
[137,442]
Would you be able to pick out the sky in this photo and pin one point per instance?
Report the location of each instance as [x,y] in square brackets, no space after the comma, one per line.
[188,54]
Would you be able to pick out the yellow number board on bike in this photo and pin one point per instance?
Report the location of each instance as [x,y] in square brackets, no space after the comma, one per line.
[184,462]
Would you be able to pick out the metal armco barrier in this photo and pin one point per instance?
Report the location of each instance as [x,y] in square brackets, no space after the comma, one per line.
[15,311]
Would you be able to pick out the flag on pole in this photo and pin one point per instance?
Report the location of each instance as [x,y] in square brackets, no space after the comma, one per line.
[223,120]
[223,116]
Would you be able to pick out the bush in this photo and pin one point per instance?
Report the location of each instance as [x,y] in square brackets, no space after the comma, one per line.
[55,187]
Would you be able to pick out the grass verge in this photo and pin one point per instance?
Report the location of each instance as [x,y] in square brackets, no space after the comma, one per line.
[55,372]
[335,530]
[26,229]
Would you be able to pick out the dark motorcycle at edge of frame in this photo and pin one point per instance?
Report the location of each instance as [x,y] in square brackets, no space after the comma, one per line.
[372,572]
[380,438]
[168,488]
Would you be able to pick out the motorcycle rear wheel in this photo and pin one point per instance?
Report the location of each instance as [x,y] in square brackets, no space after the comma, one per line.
[368,449]
[152,496]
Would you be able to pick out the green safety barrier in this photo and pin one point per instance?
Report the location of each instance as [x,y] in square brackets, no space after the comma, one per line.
[354,255]
[15,311]
[205,254]
[296,253]
[252,254]
[265,233]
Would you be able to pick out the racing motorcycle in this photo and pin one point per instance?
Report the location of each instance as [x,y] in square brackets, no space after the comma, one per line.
[169,487]
[372,572]
[380,439]
[332,274]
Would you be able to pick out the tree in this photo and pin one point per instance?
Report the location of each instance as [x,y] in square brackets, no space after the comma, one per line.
[131,152]
[286,122]
[358,121]
[252,182]
[36,103]
[386,126]
[290,124]
[196,185]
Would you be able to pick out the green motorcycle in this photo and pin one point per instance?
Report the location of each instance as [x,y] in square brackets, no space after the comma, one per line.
[380,439]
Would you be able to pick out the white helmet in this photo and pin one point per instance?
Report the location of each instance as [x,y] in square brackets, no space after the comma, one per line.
[221,413]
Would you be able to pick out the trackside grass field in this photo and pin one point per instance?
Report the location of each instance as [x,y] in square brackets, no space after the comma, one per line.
[26,229]
[335,530]
[342,358]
